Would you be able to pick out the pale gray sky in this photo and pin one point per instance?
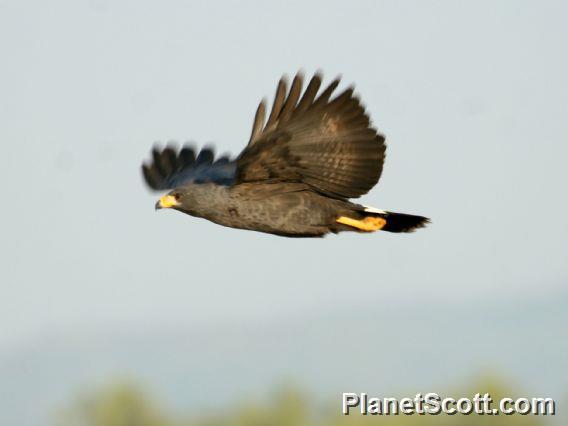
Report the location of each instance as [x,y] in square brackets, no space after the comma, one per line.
[472,97]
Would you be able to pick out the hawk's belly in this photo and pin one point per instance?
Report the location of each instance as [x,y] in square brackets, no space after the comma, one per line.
[301,213]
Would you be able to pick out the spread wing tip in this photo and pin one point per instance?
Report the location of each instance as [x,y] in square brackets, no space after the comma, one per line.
[170,167]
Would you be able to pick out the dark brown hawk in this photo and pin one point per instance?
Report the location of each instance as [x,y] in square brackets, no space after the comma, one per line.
[296,175]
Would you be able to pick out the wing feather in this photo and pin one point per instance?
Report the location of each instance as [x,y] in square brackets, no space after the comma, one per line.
[171,169]
[293,96]
[327,143]
[278,102]
[258,123]
[310,93]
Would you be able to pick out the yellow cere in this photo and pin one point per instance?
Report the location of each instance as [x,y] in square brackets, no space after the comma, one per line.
[168,201]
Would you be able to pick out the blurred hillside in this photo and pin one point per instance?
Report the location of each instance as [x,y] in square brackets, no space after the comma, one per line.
[386,352]
[127,404]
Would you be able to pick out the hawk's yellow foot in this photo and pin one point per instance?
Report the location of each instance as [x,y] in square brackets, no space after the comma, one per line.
[368,224]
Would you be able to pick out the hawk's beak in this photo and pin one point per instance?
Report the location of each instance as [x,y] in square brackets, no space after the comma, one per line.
[166,202]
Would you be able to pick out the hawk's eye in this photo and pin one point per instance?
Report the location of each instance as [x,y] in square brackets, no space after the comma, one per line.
[177,196]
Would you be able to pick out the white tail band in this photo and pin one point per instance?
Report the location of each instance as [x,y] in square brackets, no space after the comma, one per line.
[374,210]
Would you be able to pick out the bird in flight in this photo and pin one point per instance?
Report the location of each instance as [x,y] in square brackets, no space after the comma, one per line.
[296,175]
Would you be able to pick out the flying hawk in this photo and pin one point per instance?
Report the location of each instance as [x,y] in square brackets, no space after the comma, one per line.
[296,175]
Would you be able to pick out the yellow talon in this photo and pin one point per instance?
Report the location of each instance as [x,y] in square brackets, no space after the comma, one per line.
[368,224]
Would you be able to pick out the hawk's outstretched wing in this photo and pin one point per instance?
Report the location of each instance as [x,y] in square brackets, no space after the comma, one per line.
[327,143]
[171,169]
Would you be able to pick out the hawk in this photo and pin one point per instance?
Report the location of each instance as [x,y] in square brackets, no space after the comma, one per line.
[296,175]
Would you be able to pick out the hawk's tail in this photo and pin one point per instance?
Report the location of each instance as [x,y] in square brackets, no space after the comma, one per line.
[371,219]
[402,222]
